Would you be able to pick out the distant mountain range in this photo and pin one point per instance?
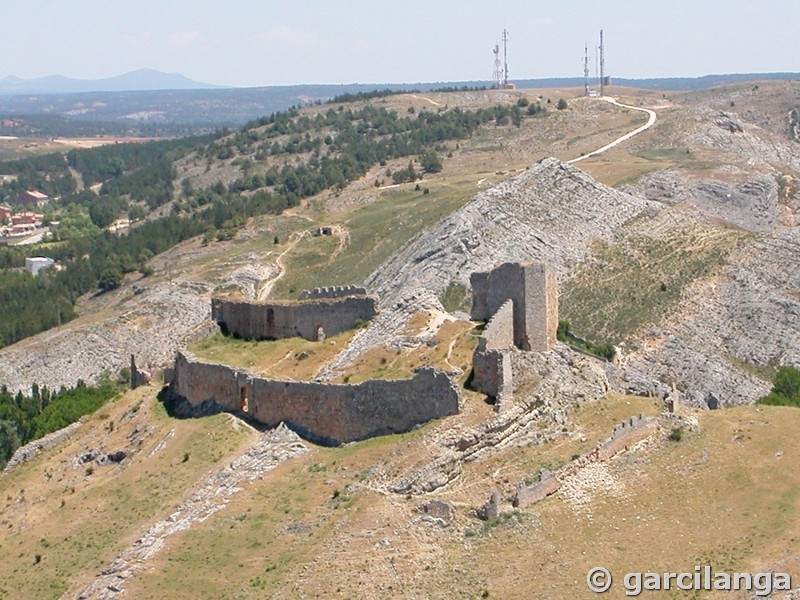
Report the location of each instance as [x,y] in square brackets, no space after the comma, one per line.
[145,80]
[135,81]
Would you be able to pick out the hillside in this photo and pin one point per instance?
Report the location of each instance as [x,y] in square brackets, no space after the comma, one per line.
[679,247]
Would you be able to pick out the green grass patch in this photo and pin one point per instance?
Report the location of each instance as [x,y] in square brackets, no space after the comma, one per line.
[294,358]
[786,391]
[456,298]
[636,282]
[375,233]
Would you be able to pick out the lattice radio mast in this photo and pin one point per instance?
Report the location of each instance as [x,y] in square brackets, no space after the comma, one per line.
[497,75]
[602,66]
[505,59]
[585,69]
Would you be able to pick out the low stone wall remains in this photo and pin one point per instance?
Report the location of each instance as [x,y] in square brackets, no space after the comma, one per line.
[625,435]
[491,364]
[329,414]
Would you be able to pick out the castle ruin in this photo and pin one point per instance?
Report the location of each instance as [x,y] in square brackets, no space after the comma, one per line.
[328,414]
[520,304]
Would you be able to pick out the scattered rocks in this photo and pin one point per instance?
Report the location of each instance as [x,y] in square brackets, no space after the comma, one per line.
[30,450]
[273,448]
[438,511]
[152,325]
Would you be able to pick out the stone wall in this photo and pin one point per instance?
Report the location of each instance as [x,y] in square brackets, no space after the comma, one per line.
[309,319]
[198,382]
[627,434]
[532,287]
[139,377]
[499,331]
[326,413]
[624,436]
[338,291]
[491,364]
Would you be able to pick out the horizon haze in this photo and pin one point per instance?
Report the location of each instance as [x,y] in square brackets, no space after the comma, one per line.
[246,45]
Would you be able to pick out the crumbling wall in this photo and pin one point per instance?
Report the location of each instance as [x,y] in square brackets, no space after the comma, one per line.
[491,375]
[277,320]
[491,364]
[325,413]
[139,377]
[532,288]
[198,382]
[338,291]
[548,484]
[625,435]
[499,331]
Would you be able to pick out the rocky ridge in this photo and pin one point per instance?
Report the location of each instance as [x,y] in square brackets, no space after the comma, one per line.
[551,212]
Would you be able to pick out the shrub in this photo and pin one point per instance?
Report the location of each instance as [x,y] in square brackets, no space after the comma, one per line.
[786,389]
[676,435]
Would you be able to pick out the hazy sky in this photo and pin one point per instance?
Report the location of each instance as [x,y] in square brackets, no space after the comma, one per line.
[271,42]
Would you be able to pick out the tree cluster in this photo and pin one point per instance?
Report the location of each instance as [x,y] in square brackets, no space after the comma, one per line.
[24,418]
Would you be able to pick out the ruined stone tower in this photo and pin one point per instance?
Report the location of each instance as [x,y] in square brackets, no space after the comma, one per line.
[532,289]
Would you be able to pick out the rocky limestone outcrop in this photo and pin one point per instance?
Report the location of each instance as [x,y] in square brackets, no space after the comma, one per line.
[552,212]
[211,496]
[546,386]
[745,318]
[750,314]
[152,324]
[745,199]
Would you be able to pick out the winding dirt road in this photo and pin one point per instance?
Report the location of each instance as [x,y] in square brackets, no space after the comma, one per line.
[650,122]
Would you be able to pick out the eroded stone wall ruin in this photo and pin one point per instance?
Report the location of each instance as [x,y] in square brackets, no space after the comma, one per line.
[491,364]
[310,319]
[330,414]
[625,435]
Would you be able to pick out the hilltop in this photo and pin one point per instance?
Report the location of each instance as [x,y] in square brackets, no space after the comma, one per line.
[678,247]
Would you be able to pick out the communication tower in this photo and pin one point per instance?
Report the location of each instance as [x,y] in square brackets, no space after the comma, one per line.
[497,75]
[602,66]
[585,69]
[505,59]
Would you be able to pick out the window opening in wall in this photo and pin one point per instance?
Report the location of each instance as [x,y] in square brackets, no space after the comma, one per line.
[244,405]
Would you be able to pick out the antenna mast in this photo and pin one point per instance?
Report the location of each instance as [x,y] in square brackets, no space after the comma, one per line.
[602,66]
[585,69]
[505,59]
[497,76]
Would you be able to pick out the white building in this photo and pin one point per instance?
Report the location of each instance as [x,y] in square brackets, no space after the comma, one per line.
[37,263]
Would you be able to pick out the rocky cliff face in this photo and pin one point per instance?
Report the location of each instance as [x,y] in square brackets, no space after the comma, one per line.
[732,328]
[552,212]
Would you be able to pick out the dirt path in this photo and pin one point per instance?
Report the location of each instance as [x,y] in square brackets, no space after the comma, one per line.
[343,235]
[427,99]
[650,122]
[266,288]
